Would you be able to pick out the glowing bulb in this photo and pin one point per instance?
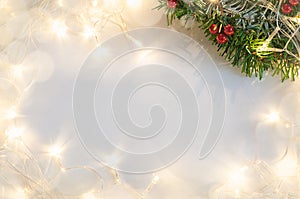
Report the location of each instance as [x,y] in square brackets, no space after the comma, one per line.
[59,28]
[89,195]
[14,132]
[3,3]
[88,32]
[273,117]
[60,3]
[238,178]
[55,151]
[17,71]
[155,179]
[11,114]
[133,3]
[19,194]
[287,167]
[94,3]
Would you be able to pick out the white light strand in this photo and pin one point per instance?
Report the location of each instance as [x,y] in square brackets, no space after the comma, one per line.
[92,20]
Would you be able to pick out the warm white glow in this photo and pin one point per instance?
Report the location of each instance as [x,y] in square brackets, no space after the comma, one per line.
[89,195]
[60,3]
[155,179]
[88,32]
[55,151]
[133,3]
[94,3]
[19,194]
[287,167]
[17,71]
[238,179]
[112,4]
[11,113]
[273,117]
[59,28]
[3,3]
[14,132]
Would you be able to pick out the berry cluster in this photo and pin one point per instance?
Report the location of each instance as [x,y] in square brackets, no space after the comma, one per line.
[172,4]
[221,37]
[287,7]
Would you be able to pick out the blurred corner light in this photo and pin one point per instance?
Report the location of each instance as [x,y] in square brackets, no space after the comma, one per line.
[133,3]
[14,132]
[3,4]
[59,28]
[273,117]
[55,151]
[155,179]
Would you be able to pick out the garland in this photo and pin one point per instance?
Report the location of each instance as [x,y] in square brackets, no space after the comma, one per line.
[258,36]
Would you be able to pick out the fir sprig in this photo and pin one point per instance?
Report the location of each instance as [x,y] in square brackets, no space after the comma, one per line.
[254,23]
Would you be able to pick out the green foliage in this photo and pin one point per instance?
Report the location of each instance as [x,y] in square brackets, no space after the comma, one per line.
[254,22]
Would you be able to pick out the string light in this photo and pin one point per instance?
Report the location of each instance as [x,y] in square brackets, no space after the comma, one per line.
[88,32]
[11,113]
[55,151]
[19,194]
[155,179]
[273,117]
[238,178]
[89,195]
[60,3]
[17,71]
[14,132]
[3,3]
[94,3]
[59,28]
[287,167]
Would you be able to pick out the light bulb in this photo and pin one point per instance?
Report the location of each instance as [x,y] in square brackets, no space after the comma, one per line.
[94,3]
[60,3]
[17,71]
[89,195]
[55,151]
[273,117]
[238,179]
[59,28]
[88,32]
[19,194]
[155,179]
[14,132]
[11,114]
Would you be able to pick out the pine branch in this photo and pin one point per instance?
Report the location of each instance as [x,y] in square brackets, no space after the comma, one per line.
[250,47]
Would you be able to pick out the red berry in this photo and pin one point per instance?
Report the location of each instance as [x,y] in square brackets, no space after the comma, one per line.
[214,29]
[229,30]
[294,2]
[286,8]
[172,4]
[221,38]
